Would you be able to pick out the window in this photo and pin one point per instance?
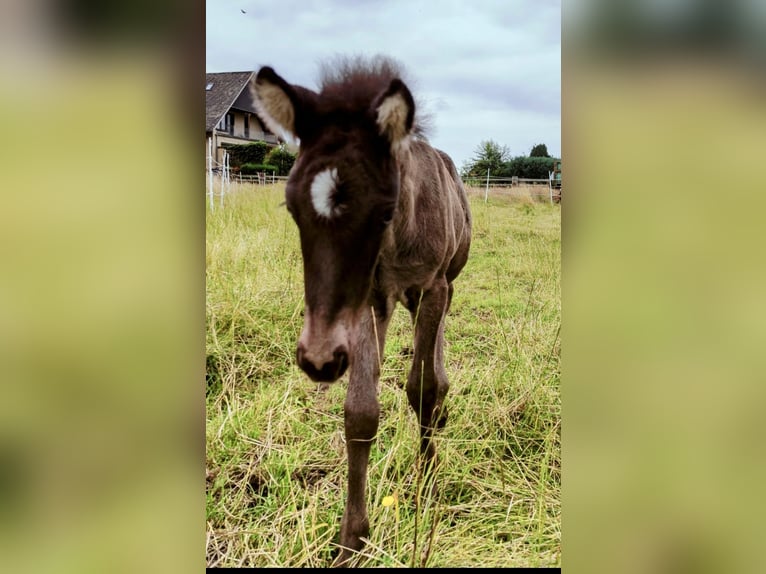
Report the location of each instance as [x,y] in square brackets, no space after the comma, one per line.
[247,125]
[227,123]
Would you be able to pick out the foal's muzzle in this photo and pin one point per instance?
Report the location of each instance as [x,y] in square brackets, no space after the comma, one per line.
[324,345]
[321,370]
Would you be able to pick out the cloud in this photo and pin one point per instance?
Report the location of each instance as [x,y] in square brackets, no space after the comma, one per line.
[489,70]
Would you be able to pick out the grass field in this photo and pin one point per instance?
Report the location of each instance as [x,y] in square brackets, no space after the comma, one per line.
[276,467]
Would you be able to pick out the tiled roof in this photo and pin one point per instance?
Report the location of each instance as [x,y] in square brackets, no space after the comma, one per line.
[226,88]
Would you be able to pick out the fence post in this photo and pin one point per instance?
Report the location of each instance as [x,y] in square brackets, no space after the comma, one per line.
[486,189]
[223,175]
[210,169]
[550,185]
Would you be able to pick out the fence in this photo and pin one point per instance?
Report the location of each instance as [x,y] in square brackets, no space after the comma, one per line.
[261,178]
[221,169]
[219,176]
[503,181]
[221,182]
[551,187]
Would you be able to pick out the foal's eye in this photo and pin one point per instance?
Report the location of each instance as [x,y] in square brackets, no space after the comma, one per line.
[388,217]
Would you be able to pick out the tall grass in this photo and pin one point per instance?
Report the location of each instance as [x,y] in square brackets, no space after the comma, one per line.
[276,467]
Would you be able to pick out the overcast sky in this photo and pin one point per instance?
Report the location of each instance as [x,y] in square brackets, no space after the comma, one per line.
[488,69]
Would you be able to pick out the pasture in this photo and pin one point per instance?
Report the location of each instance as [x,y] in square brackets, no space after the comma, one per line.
[275,456]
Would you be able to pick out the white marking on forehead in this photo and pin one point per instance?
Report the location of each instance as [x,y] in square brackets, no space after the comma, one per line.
[321,192]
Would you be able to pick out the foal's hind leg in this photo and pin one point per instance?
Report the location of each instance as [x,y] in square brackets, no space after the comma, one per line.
[427,382]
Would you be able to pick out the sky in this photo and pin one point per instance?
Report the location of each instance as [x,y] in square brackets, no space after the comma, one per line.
[484,70]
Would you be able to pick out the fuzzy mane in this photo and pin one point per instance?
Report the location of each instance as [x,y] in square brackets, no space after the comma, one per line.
[354,82]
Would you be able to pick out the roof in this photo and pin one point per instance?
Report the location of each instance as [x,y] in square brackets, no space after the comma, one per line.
[225,92]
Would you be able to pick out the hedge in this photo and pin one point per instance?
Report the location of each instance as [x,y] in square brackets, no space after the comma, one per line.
[241,154]
[253,168]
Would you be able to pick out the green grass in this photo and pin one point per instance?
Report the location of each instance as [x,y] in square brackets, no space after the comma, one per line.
[276,466]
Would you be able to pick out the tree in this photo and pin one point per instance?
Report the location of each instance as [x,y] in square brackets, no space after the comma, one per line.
[487,155]
[540,150]
[529,167]
[281,158]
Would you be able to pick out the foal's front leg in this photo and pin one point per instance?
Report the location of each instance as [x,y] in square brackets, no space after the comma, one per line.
[362,414]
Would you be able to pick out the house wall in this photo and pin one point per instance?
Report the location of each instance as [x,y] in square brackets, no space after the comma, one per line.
[239,125]
[238,137]
[257,131]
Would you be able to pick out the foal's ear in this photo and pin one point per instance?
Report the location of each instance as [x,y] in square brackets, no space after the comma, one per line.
[283,107]
[395,112]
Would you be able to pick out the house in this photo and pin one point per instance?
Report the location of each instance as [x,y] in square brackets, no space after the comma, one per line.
[230,116]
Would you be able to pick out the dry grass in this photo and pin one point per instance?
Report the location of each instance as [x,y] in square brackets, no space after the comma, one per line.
[528,194]
[276,471]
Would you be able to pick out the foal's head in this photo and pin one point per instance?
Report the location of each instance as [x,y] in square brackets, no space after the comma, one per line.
[342,194]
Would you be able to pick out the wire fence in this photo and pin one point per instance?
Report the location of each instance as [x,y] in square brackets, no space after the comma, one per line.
[550,186]
[503,181]
[220,179]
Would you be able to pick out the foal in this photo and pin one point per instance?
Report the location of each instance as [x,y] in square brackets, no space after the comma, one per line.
[383,217]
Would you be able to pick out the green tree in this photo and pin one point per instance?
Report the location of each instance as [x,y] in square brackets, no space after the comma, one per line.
[529,167]
[539,150]
[487,155]
[281,157]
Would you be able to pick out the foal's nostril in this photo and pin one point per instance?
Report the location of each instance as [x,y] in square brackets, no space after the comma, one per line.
[327,371]
[340,356]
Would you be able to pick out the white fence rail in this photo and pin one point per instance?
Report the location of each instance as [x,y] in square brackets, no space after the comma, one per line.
[261,178]
[219,180]
[264,178]
[539,186]
[220,177]
[503,181]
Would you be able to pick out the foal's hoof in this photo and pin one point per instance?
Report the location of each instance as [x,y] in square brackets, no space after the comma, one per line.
[353,529]
[341,559]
